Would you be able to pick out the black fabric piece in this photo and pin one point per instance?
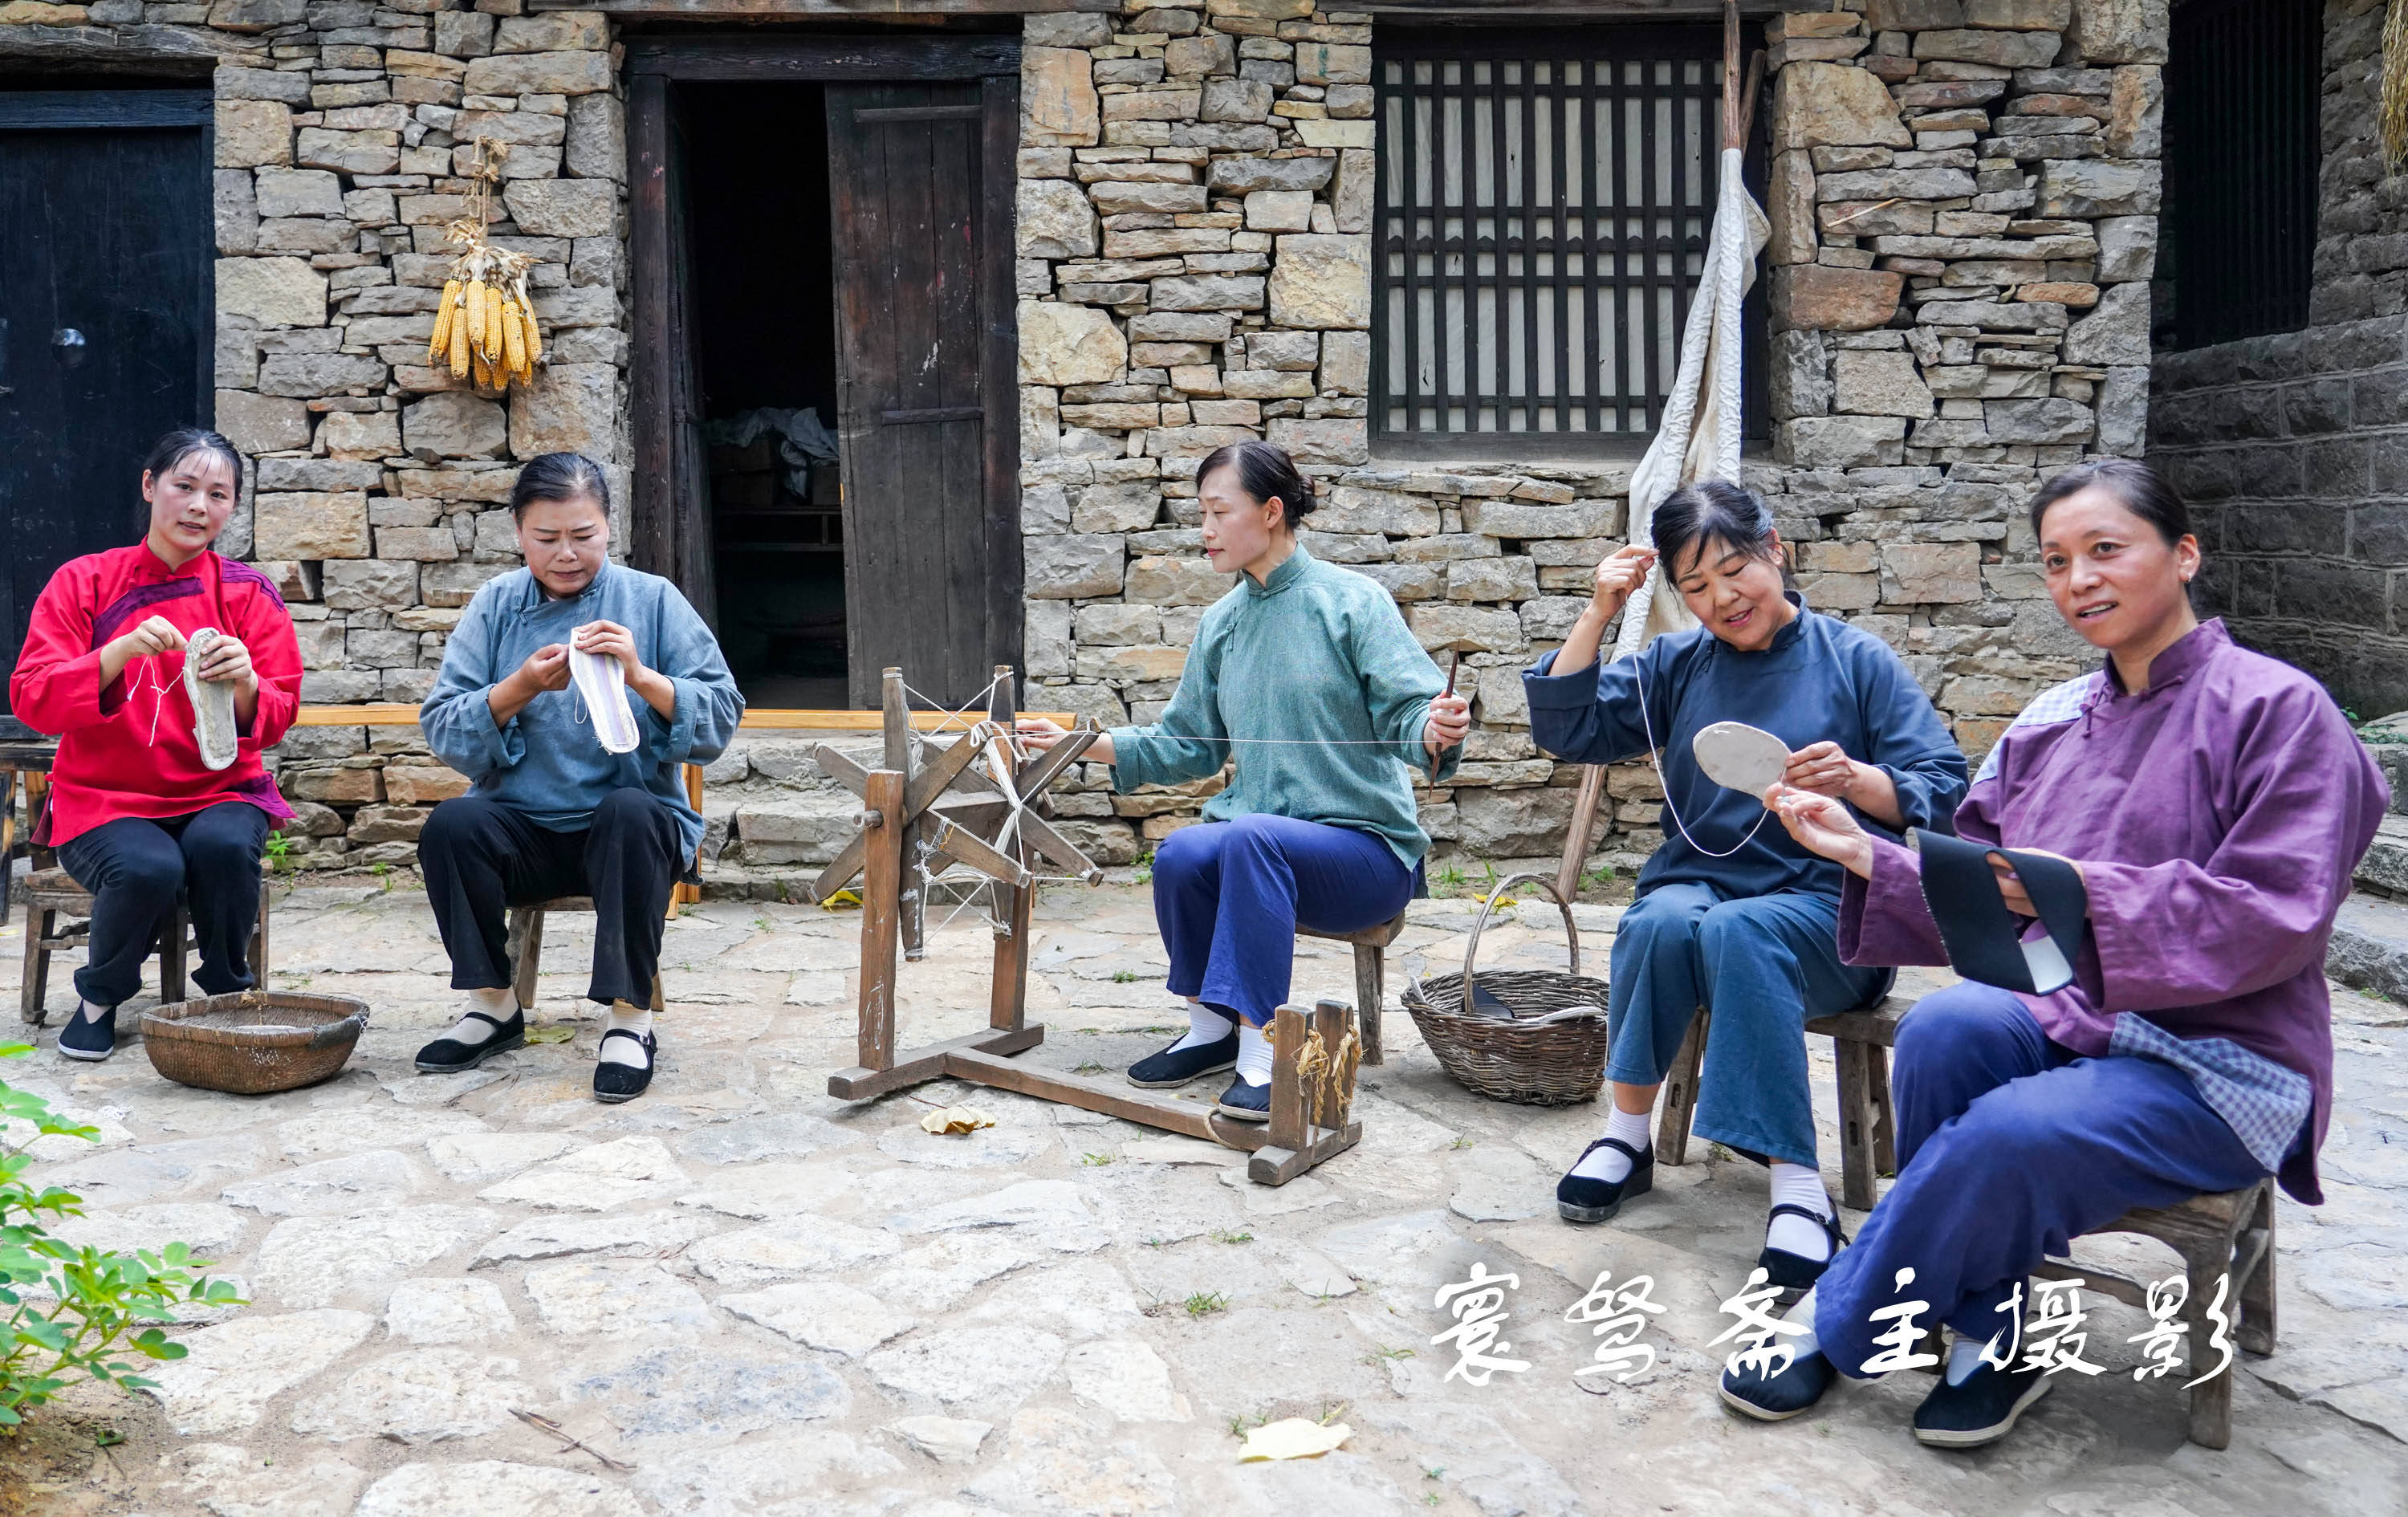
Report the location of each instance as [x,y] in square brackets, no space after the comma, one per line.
[1985,939]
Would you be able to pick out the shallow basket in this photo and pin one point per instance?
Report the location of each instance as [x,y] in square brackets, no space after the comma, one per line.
[1536,1059]
[253,1041]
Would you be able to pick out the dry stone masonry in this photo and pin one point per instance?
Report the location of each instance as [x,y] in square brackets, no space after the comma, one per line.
[1963,195]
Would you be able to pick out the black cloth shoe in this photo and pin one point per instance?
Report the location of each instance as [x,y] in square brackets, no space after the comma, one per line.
[1247,1103]
[1177,1066]
[1982,1411]
[1580,1198]
[89,1038]
[616,1082]
[1772,1398]
[1794,1271]
[451,1056]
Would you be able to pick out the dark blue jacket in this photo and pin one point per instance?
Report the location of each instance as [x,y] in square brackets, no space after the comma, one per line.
[1821,680]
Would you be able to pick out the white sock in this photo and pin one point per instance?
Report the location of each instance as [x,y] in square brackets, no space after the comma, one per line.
[1613,1165]
[90,1012]
[635,1019]
[496,1004]
[1796,1185]
[1204,1025]
[1803,1314]
[1964,1357]
[1254,1054]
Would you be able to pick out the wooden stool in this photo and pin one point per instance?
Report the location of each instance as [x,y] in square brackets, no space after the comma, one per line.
[2229,1234]
[524,945]
[1371,966]
[52,897]
[1862,1042]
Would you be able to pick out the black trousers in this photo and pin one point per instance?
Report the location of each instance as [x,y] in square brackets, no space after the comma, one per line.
[481,857]
[133,867]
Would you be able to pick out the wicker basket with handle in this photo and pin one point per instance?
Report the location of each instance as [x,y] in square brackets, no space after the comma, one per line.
[1551,1053]
[253,1041]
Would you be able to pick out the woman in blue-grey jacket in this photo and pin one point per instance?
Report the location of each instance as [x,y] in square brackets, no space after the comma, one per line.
[1731,913]
[553,812]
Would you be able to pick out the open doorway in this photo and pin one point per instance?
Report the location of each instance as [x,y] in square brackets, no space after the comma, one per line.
[765,356]
[825,404]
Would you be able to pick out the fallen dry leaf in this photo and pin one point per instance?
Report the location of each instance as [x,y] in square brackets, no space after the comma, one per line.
[957,1118]
[554,1034]
[1291,1437]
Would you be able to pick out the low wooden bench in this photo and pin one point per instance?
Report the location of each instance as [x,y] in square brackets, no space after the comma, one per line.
[1862,1042]
[1370,977]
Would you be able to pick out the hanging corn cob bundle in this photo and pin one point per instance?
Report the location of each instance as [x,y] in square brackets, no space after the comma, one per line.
[484,327]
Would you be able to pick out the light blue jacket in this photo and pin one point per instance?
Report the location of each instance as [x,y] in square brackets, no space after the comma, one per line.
[1315,681]
[546,761]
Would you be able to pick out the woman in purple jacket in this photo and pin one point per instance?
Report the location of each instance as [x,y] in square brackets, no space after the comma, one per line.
[2214,803]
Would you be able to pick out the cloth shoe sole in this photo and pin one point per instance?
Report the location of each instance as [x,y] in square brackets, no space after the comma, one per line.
[88,1055]
[1639,1181]
[1974,1437]
[214,727]
[603,684]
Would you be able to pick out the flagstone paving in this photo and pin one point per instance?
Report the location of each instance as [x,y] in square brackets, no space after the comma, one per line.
[759,1301]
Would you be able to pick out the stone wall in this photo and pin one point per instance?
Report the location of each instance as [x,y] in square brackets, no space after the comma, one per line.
[1963,199]
[2293,449]
[378,483]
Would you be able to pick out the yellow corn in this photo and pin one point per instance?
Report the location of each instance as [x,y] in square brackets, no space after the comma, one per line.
[513,338]
[439,344]
[534,343]
[484,372]
[481,317]
[458,339]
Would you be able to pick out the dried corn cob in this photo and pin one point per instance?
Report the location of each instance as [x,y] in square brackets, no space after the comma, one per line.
[439,345]
[513,338]
[533,335]
[458,343]
[484,374]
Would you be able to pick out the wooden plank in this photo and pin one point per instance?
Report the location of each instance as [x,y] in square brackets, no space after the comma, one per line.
[998,367]
[37,110]
[927,1062]
[1277,1165]
[1592,792]
[1035,777]
[1192,1118]
[880,921]
[961,844]
[1876,1025]
[653,277]
[1042,836]
[1680,1094]
[1006,1003]
[398,714]
[819,11]
[1289,1116]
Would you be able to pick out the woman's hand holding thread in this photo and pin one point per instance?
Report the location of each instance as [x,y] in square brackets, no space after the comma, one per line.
[1824,825]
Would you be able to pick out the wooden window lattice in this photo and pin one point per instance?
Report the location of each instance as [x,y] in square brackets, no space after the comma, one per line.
[1544,202]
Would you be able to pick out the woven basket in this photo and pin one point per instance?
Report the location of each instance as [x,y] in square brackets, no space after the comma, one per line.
[1535,1059]
[254,1041]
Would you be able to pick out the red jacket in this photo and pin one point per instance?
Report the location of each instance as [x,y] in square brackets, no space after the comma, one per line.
[128,750]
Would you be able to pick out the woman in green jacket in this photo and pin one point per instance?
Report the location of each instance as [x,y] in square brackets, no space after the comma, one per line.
[1308,673]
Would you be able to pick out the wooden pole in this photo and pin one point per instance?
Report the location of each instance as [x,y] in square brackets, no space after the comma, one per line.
[879,916]
[1592,792]
[898,757]
[1730,74]
[1007,990]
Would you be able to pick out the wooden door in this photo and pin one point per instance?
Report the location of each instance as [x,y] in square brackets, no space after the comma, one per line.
[106,233]
[671,520]
[920,193]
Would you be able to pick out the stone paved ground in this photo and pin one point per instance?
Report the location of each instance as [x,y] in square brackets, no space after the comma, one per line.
[770,1304]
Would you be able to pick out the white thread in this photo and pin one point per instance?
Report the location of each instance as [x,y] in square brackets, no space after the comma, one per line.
[150,671]
[1647,725]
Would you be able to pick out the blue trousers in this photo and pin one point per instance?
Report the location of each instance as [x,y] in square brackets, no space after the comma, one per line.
[2009,1146]
[1764,964]
[1228,896]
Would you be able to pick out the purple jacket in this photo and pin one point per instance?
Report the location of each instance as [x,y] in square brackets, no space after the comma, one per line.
[2217,817]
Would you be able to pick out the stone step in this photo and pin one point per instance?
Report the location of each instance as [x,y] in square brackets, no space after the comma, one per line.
[2386,865]
[2369,946]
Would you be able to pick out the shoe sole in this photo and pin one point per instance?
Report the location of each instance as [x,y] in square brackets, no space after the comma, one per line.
[1974,1437]
[1183,1080]
[212,705]
[618,1098]
[604,686]
[1749,1409]
[484,1051]
[85,1055]
[1240,1113]
[1584,1214]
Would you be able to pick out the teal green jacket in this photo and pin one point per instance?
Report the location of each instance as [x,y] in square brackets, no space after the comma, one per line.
[1313,679]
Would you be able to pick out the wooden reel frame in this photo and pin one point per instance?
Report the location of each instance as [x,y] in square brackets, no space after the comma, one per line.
[949,801]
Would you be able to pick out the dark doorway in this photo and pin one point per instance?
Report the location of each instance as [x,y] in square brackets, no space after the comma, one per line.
[106,233]
[763,307]
[825,402]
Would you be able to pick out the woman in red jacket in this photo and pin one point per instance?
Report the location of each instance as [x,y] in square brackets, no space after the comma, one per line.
[158,787]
